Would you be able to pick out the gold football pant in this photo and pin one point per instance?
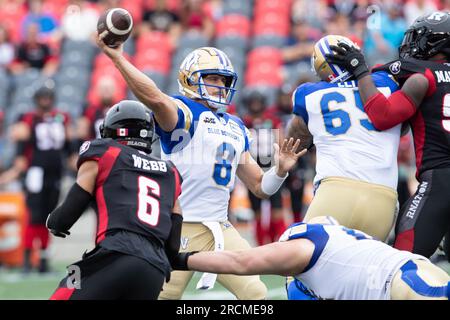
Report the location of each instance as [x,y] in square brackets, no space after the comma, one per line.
[355,204]
[420,280]
[197,237]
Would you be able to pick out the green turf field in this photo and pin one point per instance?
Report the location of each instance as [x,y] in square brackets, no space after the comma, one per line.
[14,285]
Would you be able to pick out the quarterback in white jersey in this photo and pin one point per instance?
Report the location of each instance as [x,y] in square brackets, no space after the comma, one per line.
[356,169]
[209,147]
[334,262]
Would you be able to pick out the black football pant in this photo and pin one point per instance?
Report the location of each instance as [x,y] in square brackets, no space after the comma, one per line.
[425,217]
[110,275]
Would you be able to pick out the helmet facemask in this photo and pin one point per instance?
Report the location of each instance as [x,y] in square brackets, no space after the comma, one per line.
[427,36]
[203,62]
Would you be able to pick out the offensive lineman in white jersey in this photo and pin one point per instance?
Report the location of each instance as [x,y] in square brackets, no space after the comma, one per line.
[209,147]
[356,170]
[334,262]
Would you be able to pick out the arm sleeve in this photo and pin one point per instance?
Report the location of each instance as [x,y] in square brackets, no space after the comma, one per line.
[65,215]
[172,244]
[386,113]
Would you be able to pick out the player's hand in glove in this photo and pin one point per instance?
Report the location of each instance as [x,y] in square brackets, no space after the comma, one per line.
[350,58]
[60,234]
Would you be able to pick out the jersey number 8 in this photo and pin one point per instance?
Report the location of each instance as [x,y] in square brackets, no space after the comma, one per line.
[222,168]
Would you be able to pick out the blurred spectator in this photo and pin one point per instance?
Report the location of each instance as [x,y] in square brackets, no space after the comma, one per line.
[33,53]
[195,18]
[265,131]
[88,127]
[79,22]
[47,24]
[313,12]
[444,5]
[344,7]
[340,24]
[43,138]
[360,10]
[2,140]
[382,41]
[6,48]
[160,18]
[416,8]
[300,45]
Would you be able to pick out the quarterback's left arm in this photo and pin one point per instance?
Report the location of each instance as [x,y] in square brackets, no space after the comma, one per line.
[80,195]
[264,184]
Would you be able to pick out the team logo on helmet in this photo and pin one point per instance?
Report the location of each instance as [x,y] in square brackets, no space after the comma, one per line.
[395,67]
[437,17]
[327,71]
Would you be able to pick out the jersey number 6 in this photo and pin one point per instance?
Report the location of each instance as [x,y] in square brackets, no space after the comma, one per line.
[145,200]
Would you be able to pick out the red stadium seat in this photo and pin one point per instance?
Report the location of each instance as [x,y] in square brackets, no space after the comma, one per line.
[153,60]
[264,74]
[265,55]
[265,6]
[272,23]
[154,40]
[102,61]
[119,93]
[12,13]
[233,24]
[134,8]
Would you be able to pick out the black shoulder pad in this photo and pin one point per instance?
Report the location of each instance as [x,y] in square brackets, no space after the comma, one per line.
[402,69]
[92,150]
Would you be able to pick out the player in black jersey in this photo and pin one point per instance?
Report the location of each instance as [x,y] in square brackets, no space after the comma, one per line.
[139,218]
[423,72]
[44,142]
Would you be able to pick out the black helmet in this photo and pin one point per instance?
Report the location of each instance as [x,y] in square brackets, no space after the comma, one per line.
[131,123]
[427,36]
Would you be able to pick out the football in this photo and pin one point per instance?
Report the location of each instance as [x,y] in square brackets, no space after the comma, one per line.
[119,24]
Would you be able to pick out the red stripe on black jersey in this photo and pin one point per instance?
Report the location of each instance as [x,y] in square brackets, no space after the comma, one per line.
[62,294]
[105,164]
[431,82]
[177,184]
[405,240]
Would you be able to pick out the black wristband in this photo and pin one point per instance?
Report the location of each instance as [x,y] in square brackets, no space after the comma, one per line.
[180,262]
